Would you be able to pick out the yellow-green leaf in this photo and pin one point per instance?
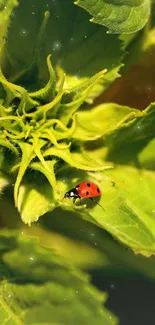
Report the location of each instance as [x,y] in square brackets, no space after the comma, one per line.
[46,289]
[102,120]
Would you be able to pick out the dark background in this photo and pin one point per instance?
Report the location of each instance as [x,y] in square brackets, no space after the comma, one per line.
[132,300]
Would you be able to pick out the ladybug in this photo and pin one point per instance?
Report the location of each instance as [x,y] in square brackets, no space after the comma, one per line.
[84,190]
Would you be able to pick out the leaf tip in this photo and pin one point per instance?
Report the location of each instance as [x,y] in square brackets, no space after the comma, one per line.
[47,14]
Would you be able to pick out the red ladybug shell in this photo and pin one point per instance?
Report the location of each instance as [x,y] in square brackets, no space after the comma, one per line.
[88,190]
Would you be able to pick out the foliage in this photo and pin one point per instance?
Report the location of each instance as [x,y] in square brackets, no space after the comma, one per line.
[41,288]
[54,133]
[119,16]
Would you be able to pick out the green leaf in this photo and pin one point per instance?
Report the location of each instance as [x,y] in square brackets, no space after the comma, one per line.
[27,156]
[59,231]
[53,292]
[77,160]
[129,208]
[128,203]
[101,120]
[63,244]
[78,94]
[28,153]
[131,136]
[135,212]
[6,9]
[6,143]
[76,50]
[46,168]
[146,157]
[35,197]
[46,92]
[115,258]
[104,83]
[121,16]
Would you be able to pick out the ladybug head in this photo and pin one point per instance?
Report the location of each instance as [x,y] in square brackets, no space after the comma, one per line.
[71,193]
[66,195]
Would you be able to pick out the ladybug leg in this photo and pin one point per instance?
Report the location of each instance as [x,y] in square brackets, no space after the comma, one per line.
[77,197]
[80,201]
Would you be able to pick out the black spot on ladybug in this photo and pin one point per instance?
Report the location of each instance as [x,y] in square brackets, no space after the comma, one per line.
[88,184]
[98,190]
[87,192]
[77,186]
